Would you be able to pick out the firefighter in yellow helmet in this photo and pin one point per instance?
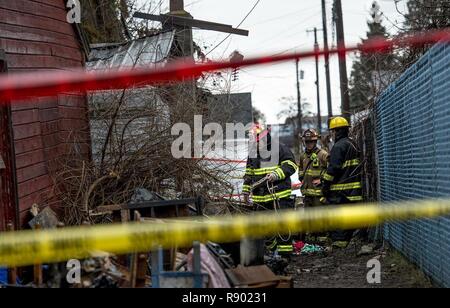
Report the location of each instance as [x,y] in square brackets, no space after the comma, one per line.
[341,183]
[313,164]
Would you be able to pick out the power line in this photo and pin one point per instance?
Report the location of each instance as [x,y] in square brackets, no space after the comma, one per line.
[289,49]
[263,77]
[243,20]
[285,15]
[192,3]
[225,50]
[157,6]
[152,11]
[287,32]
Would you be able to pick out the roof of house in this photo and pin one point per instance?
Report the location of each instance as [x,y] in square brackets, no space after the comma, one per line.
[231,108]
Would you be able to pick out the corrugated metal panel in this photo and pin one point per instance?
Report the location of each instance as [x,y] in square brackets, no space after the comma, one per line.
[413,132]
[142,52]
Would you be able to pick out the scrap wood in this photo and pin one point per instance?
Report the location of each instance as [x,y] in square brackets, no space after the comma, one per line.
[252,277]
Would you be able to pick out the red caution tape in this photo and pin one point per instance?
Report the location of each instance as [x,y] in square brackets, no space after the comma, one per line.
[30,85]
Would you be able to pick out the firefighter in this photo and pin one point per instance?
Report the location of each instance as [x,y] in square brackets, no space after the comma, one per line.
[273,173]
[313,164]
[341,183]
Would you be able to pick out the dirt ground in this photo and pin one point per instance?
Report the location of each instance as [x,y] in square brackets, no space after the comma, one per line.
[343,268]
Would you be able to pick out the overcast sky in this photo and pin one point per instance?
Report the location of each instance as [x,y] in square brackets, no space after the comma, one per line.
[281,26]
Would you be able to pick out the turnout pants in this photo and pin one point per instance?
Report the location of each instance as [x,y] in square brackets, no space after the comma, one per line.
[280,243]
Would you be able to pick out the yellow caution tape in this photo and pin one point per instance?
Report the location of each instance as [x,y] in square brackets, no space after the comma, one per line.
[47,246]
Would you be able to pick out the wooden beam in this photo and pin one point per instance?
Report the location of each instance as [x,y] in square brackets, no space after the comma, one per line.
[194,23]
[152,17]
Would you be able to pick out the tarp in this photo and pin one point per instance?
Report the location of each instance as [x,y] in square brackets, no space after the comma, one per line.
[217,277]
[3,275]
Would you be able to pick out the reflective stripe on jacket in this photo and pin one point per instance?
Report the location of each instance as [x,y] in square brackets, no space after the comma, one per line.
[312,166]
[258,168]
[342,180]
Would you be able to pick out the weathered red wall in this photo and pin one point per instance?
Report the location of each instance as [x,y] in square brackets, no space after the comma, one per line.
[36,37]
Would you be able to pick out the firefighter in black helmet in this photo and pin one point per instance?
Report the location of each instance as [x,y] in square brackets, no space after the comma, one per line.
[313,164]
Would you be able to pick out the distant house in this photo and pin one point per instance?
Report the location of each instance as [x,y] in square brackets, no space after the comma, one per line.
[36,37]
[287,132]
[231,108]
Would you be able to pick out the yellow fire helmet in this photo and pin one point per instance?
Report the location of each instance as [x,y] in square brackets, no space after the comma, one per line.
[338,122]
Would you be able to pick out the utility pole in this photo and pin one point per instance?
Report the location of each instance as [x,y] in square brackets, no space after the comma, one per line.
[184,35]
[299,100]
[327,60]
[182,22]
[316,48]
[342,60]
[297,136]
[176,6]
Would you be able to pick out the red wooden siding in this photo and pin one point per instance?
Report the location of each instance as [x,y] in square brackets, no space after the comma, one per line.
[36,37]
